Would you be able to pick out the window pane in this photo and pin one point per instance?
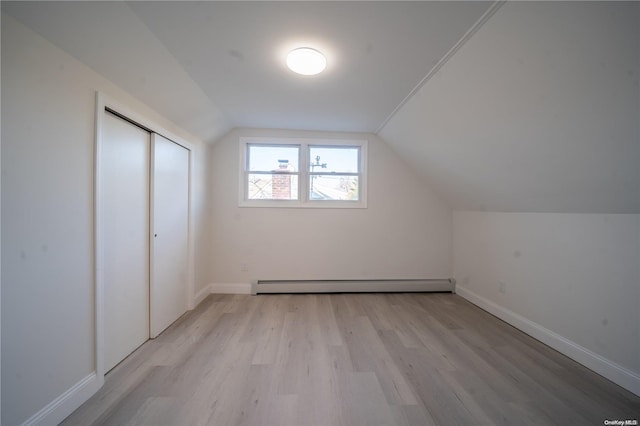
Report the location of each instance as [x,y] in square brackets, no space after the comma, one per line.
[333,159]
[333,187]
[272,187]
[267,158]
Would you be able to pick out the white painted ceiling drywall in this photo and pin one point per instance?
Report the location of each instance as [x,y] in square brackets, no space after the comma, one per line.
[537,111]
[171,54]
[108,37]
[376,52]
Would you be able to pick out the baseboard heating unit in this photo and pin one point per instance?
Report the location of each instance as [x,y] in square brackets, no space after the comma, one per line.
[353,286]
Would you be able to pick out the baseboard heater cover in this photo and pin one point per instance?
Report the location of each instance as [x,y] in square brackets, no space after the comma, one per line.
[354,286]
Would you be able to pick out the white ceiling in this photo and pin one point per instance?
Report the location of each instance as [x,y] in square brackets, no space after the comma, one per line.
[376,51]
[538,111]
[210,66]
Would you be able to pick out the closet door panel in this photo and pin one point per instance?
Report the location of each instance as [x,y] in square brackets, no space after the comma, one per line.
[170,219]
[125,233]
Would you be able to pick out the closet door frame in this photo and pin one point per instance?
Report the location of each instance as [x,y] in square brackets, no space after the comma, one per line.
[103,103]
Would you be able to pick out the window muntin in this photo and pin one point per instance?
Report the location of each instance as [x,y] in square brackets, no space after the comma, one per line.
[337,179]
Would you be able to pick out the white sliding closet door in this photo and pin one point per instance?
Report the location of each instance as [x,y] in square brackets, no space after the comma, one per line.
[170,225]
[124,213]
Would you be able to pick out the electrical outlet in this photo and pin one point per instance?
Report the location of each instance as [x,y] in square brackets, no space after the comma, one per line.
[502,287]
[244,267]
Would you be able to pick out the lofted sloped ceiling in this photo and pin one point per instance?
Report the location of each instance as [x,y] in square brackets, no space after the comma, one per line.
[521,106]
[377,52]
[109,37]
[537,112]
[227,59]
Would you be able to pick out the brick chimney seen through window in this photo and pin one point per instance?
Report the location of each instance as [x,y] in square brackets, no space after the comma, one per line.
[281,183]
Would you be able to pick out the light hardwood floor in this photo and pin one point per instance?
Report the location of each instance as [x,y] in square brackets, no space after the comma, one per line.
[350,359]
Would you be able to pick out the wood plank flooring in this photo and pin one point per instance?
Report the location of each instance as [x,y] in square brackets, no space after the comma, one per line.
[350,359]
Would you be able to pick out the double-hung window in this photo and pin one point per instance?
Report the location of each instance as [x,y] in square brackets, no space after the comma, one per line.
[303,173]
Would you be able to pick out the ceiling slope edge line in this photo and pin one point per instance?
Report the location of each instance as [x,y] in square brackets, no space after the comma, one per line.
[474,28]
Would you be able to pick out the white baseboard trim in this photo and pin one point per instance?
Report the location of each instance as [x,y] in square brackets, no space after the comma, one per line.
[201,295]
[231,288]
[60,408]
[599,364]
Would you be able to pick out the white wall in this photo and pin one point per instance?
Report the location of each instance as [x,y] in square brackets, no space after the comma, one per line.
[576,275]
[404,233]
[48,108]
[201,193]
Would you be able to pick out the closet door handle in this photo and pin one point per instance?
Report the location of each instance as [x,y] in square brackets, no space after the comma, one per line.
[155,235]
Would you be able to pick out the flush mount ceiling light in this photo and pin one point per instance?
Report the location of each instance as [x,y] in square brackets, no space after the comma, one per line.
[306,61]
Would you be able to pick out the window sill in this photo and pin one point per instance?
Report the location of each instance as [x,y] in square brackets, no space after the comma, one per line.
[303,205]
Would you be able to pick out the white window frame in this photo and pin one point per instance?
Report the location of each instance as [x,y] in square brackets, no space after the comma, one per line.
[304,174]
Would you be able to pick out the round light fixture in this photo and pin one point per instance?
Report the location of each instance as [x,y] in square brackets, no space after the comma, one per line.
[306,61]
